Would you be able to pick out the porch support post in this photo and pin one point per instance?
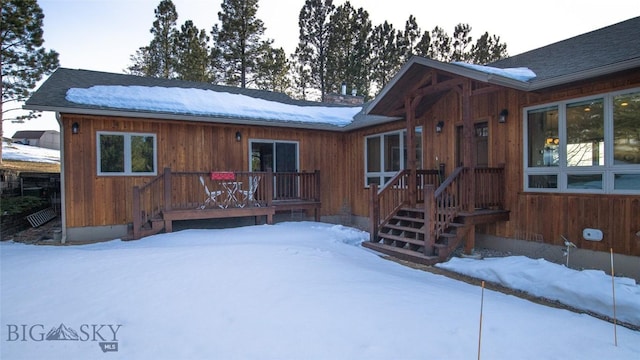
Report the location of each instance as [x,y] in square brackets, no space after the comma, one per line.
[410,112]
[269,189]
[374,212]
[167,189]
[430,219]
[469,159]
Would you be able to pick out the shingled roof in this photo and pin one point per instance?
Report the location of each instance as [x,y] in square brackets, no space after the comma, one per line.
[599,52]
[52,96]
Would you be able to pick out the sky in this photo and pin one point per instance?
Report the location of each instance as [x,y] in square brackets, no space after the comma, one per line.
[103,34]
[296,290]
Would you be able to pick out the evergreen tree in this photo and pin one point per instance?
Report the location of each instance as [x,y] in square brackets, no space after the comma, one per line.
[460,43]
[158,59]
[423,46]
[272,70]
[311,53]
[22,58]
[386,54]
[301,72]
[408,39]
[192,53]
[348,52]
[239,40]
[440,48]
[488,49]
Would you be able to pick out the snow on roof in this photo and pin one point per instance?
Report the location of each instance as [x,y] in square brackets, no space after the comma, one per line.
[520,73]
[207,103]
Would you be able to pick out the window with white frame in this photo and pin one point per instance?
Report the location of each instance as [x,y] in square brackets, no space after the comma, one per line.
[386,154]
[589,145]
[126,153]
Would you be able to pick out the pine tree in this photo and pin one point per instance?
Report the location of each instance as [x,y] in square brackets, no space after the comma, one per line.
[311,53]
[423,46]
[24,61]
[460,43]
[239,39]
[488,49]
[192,54]
[301,72]
[158,59]
[408,39]
[348,52]
[386,56]
[272,70]
[440,48]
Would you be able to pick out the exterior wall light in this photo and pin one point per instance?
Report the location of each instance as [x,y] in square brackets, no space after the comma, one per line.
[502,118]
[75,128]
[439,127]
[238,136]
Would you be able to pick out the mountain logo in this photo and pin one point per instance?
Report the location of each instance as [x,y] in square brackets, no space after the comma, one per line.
[62,333]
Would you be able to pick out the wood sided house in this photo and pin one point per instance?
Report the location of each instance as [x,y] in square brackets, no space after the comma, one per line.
[520,154]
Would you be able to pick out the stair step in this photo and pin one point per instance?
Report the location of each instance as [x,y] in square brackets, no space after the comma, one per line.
[448,236]
[415,210]
[403,228]
[406,218]
[401,239]
[400,253]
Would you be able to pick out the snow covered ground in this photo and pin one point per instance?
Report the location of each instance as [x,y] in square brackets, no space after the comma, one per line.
[29,153]
[288,291]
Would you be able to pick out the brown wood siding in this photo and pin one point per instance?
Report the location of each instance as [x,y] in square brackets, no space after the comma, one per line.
[356,195]
[94,200]
[534,216]
[547,217]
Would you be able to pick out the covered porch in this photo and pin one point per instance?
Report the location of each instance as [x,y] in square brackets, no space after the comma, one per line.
[174,196]
[424,215]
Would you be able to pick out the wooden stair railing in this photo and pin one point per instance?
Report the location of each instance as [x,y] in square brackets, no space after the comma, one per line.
[424,232]
[148,204]
[386,201]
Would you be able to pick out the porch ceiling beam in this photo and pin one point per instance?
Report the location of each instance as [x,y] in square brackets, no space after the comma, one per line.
[429,78]
[448,84]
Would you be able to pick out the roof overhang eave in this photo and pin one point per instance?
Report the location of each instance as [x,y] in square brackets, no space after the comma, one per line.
[182,117]
[586,74]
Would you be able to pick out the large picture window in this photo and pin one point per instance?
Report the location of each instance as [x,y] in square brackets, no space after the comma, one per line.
[386,154]
[126,154]
[589,145]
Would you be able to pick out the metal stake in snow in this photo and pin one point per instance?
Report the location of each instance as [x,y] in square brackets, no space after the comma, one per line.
[480,332]
[569,245]
[613,290]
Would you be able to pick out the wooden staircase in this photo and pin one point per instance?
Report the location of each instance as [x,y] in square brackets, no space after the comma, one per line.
[403,236]
[420,218]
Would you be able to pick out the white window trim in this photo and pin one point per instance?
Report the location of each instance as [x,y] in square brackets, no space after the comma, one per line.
[127,154]
[384,174]
[608,170]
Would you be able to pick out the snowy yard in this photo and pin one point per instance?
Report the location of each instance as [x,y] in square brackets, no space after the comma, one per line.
[287,291]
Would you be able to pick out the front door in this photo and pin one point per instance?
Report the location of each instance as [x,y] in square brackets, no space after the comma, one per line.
[481,134]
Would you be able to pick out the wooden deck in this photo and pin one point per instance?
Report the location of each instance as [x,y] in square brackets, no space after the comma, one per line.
[176,196]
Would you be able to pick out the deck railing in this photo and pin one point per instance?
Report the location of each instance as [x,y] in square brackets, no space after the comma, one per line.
[385,201]
[148,202]
[219,190]
[442,201]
